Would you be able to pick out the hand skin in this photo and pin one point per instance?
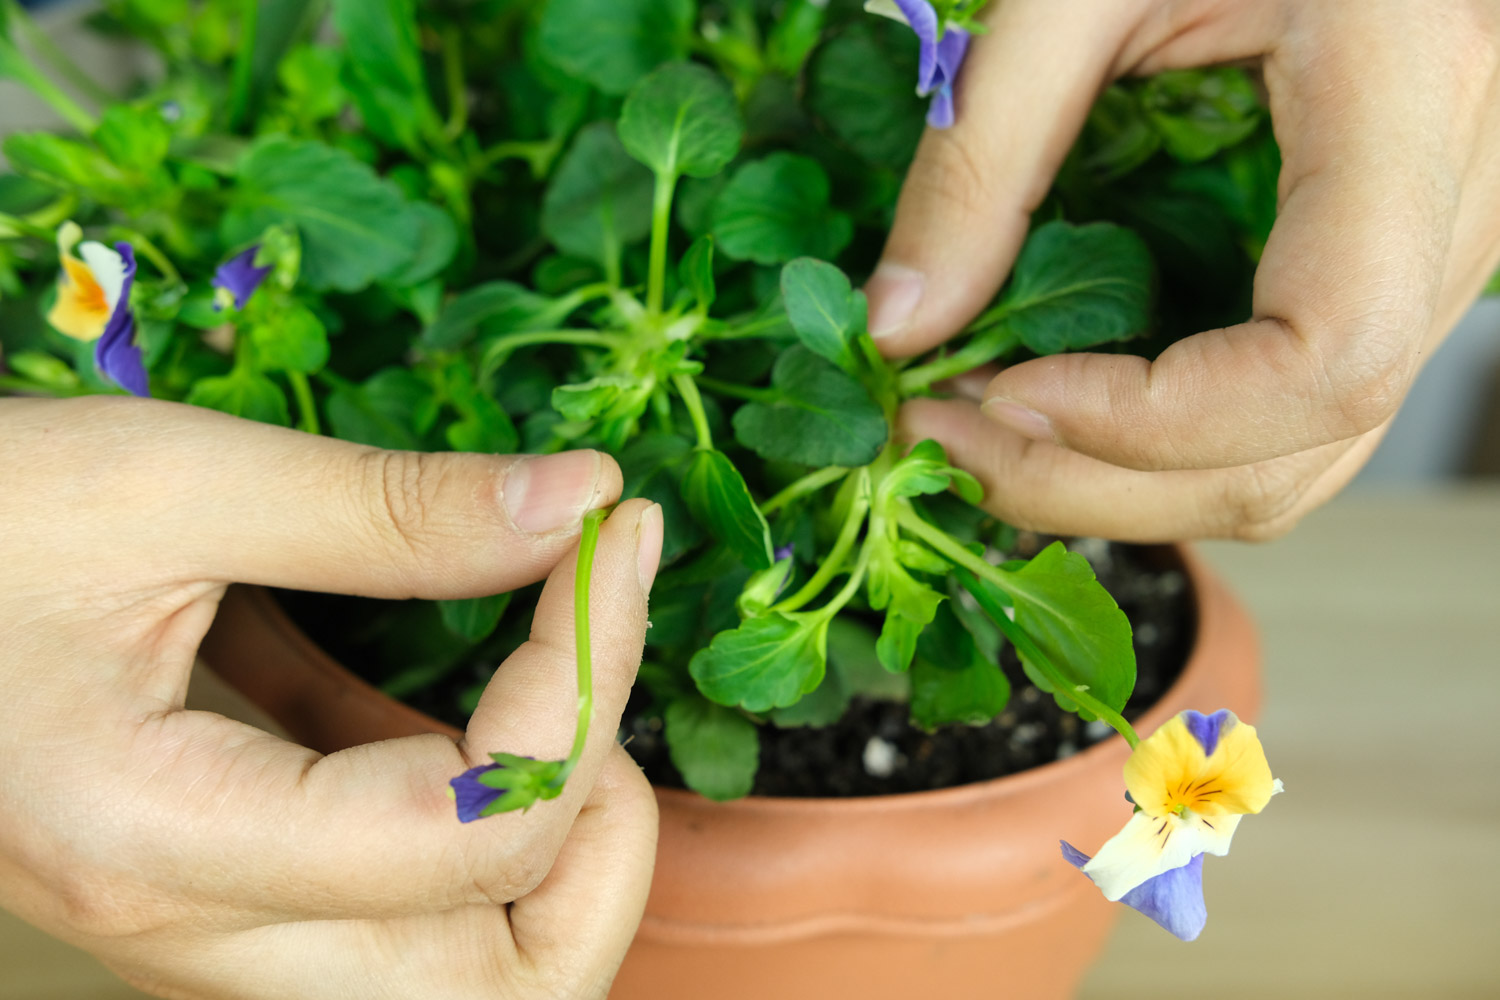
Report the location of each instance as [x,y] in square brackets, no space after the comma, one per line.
[201,858]
[1388,117]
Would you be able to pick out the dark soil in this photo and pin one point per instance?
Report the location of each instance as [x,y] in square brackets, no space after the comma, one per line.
[873,750]
[848,759]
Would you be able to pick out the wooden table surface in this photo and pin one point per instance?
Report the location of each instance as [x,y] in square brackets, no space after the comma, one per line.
[1377,874]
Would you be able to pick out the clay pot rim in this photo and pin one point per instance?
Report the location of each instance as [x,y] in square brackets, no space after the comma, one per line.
[1201,584]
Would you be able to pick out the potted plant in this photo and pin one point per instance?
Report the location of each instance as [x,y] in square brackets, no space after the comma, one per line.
[633,225]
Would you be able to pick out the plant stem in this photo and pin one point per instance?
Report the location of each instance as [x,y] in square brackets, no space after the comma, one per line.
[661,221]
[19,68]
[501,347]
[38,39]
[810,483]
[833,563]
[749,393]
[979,351]
[973,566]
[244,65]
[453,78]
[688,390]
[587,543]
[307,409]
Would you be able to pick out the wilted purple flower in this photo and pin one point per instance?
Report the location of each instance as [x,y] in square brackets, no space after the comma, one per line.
[942,53]
[1174,899]
[472,797]
[240,277]
[116,353]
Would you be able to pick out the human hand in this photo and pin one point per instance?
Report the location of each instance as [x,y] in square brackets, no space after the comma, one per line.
[201,858]
[1388,118]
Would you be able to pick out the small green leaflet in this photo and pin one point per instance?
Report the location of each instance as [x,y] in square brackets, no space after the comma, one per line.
[821,416]
[613,43]
[776,209]
[824,309]
[682,119]
[242,393]
[716,749]
[718,499]
[1199,112]
[951,682]
[474,618]
[766,663]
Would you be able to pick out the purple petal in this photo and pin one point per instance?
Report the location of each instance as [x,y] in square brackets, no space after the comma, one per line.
[472,797]
[950,56]
[924,21]
[1206,728]
[240,277]
[784,552]
[940,111]
[116,353]
[1174,899]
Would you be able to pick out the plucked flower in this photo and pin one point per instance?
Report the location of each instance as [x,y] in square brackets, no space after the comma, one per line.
[472,797]
[943,48]
[93,305]
[238,278]
[1191,781]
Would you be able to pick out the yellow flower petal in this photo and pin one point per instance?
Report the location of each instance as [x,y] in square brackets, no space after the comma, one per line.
[82,309]
[1169,772]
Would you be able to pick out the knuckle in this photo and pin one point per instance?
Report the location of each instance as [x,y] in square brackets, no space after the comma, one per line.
[1362,369]
[398,490]
[101,907]
[949,170]
[1263,501]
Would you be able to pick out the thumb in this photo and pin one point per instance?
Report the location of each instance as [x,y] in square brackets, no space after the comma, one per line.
[200,496]
[1025,89]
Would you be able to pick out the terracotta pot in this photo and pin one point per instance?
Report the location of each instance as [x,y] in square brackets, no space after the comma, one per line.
[954,893]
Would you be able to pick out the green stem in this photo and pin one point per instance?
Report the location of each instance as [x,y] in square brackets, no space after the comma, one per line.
[851,586]
[587,544]
[500,348]
[941,542]
[453,78]
[244,65]
[307,409]
[38,40]
[661,220]
[12,226]
[19,68]
[14,383]
[833,563]
[688,390]
[810,483]
[749,393]
[979,351]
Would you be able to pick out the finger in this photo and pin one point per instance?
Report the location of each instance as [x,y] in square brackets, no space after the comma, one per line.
[574,930]
[1023,94]
[250,829]
[185,493]
[1042,487]
[1345,293]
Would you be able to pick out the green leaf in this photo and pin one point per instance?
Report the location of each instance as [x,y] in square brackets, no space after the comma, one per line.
[599,200]
[898,642]
[682,119]
[824,309]
[355,227]
[821,416]
[503,306]
[951,682]
[925,470]
[387,411]
[1076,623]
[291,340]
[718,499]
[716,749]
[860,83]
[65,163]
[483,426]
[134,137]
[766,663]
[763,587]
[474,618]
[594,398]
[697,272]
[1075,287]
[384,70]
[854,669]
[613,43]
[652,465]
[1199,112]
[243,394]
[437,243]
[776,209]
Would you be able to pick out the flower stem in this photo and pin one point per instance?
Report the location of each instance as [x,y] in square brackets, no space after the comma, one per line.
[453,79]
[307,409]
[833,563]
[244,65]
[661,221]
[810,483]
[502,347]
[588,542]
[979,351]
[688,390]
[973,567]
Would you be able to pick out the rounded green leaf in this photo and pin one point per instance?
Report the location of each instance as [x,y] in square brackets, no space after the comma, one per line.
[716,749]
[766,663]
[776,209]
[682,119]
[599,200]
[613,43]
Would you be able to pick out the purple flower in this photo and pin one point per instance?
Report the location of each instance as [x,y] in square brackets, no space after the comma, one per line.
[941,56]
[1174,899]
[783,552]
[1206,728]
[240,277]
[474,798]
[116,353]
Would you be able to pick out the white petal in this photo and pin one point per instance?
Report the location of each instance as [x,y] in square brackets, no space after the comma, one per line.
[1213,834]
[886,8]
[1146,847]
[108,267]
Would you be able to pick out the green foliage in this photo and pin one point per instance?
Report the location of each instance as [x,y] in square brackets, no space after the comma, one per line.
[474,618]
[243,393]
[599,201]
[715,748]
[718,499]
[818,415]
[776,209]
[824,309]
[682,119]
[952,681]
[768,662]
[612,43]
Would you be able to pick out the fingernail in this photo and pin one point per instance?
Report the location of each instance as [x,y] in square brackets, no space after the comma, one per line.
[649,538]
[894,292]
[551,492]
[1025,422]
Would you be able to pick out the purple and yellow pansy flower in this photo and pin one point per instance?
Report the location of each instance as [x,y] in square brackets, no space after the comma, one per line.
[93,305]
[943,47]
[1191,781]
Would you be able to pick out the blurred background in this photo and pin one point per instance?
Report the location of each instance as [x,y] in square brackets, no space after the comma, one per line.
[1376,875]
